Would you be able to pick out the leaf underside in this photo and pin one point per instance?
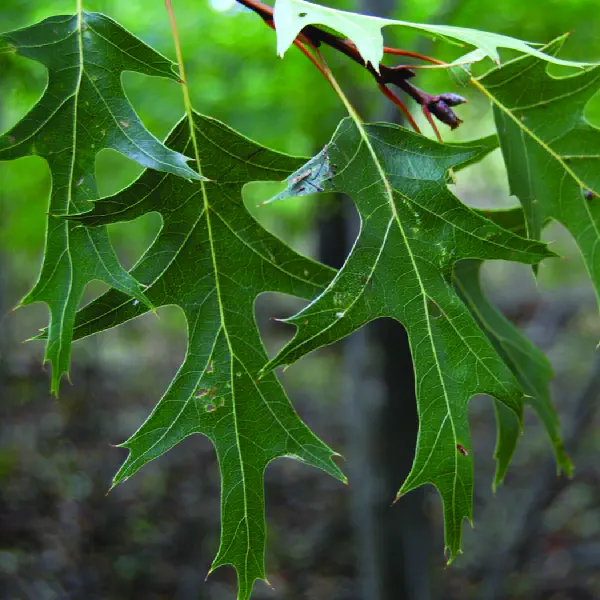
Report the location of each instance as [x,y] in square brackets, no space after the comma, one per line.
[413,232]
[291,16]
[82,111]
[212,259]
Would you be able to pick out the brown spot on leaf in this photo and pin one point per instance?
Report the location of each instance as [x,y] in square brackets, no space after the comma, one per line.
[462,449]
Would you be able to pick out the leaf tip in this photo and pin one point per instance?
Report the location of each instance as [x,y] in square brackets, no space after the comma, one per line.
[213,567]
[450,555]
[56,379]
[498,479]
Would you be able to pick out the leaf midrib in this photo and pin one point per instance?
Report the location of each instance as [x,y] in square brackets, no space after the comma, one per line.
[528,131]
[389,193]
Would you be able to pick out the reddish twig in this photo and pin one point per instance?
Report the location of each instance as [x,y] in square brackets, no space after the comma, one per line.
[310,57]
[428,116]
[389,94]
[437,105]
[399,52]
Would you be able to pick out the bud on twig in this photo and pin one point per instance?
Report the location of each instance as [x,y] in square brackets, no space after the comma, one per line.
[452,99]
[444,113]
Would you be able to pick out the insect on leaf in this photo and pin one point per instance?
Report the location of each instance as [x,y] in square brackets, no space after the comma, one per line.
[312,177]
[82,110]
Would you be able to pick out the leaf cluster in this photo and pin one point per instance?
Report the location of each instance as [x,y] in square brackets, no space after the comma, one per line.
[416,259]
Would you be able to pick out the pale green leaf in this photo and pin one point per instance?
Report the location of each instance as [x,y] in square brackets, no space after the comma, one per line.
[291,16]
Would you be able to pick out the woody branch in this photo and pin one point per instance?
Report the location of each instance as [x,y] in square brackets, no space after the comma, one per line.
[438,105]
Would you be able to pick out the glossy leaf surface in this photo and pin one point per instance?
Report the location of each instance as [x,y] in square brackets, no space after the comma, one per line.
[82,111]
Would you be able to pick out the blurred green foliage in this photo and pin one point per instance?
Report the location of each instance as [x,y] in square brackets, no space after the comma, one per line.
[235,76]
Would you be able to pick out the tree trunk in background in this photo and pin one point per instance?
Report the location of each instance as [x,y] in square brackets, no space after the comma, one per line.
[393,543]
[3,276]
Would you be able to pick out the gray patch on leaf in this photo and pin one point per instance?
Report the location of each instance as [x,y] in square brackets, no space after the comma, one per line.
[313,177]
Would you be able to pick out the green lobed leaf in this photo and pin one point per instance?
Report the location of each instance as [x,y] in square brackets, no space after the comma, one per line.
[291,16]
[529,365]
[413,231]
[82,110]
[552,153]
[212,259]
